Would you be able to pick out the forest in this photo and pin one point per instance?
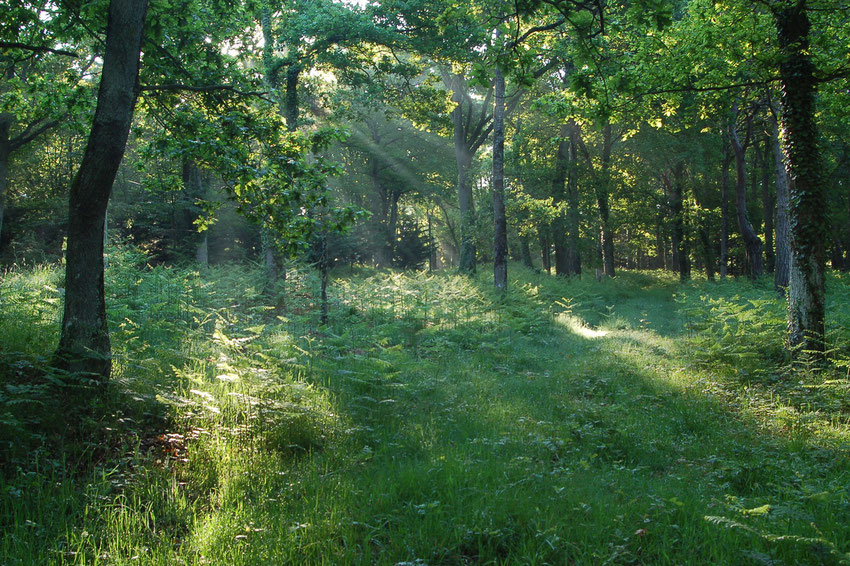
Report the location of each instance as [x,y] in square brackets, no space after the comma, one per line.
[421,282]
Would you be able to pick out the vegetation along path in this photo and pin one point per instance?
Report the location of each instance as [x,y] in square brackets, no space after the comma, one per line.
[625,421]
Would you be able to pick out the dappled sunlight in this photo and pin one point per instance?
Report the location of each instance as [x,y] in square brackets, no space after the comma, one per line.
[577,326]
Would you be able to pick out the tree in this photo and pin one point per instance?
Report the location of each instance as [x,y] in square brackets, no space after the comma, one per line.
[84,342]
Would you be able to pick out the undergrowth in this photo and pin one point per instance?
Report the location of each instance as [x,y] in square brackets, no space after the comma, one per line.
[626,421]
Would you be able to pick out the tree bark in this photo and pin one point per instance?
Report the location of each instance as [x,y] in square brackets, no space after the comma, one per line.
[601,188]
[84,342]
[724,212]
[500,226]
[602,193]
[752,243]
[546,258]
[4,172]
[560,226]
[808,221]
[768,204]
[677,208]
[573,213]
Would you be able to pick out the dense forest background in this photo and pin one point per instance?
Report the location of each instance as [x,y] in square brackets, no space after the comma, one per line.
[254,228]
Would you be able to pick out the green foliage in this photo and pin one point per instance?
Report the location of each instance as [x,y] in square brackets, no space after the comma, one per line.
[427,409]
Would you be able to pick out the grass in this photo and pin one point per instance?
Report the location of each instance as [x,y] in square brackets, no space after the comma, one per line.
[630,421]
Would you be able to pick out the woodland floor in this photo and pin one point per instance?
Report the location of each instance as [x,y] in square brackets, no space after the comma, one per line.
[630,421]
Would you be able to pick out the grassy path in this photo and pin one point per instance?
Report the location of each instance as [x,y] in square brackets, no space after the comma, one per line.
[528,440]
[578,423]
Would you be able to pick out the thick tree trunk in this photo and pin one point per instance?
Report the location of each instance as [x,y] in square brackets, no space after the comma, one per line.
[84,342]
[752,243]
[500,226]
[724,212]
[809,226]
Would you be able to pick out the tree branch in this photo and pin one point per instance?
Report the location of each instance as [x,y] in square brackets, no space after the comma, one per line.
[203,88]
[35,48]
[31,132]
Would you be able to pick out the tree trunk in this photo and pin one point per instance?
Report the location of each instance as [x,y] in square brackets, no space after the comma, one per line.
[500,226]
[543,234]
[84,341]
[269,262]
[525,252]
[809,226]
[4,172]
[768,204]
[560,227]
[202,253]
[602,191]
[291,97]
[467,208]
[573,213]
[677,207]
[752,243]
[724,212]
[324,266]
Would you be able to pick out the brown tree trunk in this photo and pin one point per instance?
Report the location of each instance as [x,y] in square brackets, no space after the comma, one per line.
[84,342]
[808,221]
[752,243]
[500,226]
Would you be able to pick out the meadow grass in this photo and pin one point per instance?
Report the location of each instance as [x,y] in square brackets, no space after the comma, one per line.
[627,421]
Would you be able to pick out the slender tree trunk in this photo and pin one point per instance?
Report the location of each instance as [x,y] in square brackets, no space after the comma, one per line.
[324,267]
[573,213]
[808,221]
[602,193]
[768,203]
[467,208]
[752,243]
[432,248]
[500,226]
[525,251]
[269,262]
[560,228]
[4,175]
[543,234]
[782,265]
[293,73]
[677,206]
[660,244]
[202,253]
[724,212]
[84,341]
